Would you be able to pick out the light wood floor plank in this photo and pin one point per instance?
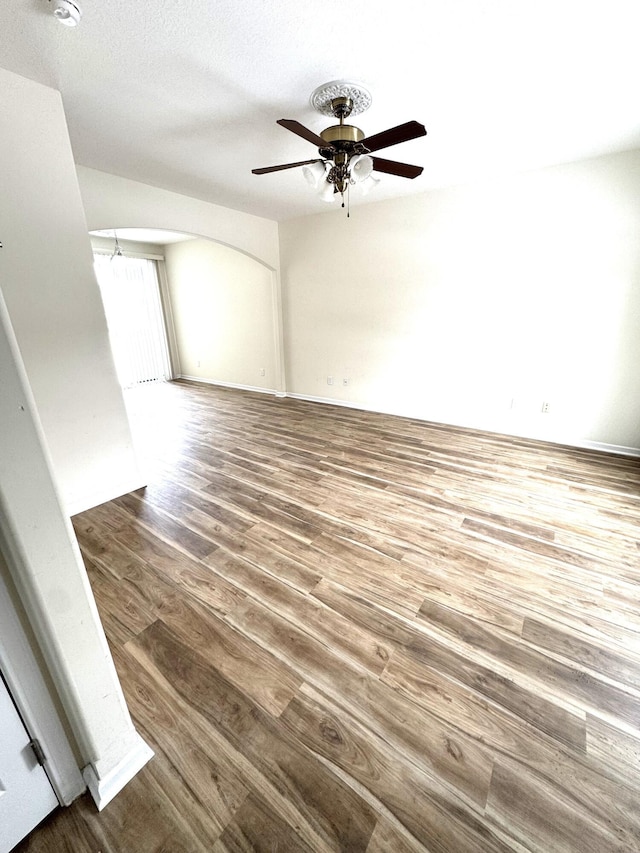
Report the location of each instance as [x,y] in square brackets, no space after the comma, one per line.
[346,631]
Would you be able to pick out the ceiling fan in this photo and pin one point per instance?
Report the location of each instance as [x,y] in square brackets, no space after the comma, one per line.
[344,149]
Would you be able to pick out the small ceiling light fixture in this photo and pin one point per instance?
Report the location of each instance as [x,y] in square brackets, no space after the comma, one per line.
[117,251]
[66,11]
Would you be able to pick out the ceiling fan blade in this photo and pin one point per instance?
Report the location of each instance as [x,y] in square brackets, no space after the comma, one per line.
[301,130]
[392,167]
[267,169]
[395,135]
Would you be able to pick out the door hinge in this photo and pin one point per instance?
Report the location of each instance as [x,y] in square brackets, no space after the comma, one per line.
[38,751]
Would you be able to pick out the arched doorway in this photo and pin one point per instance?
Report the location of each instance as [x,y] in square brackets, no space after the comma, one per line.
[216,306]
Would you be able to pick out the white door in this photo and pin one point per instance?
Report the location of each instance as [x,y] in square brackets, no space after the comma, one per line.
[26,796]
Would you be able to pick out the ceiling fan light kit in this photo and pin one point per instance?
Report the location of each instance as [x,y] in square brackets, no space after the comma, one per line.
[343,148]
[327,192]
[369,184]
[66,12]
[314,173]
[361,167]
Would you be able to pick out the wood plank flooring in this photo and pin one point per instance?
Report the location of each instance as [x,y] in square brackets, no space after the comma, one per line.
[348,631]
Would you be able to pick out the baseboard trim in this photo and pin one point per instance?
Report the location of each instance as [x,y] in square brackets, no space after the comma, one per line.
[236,385]
[585,444]
[104,789]
[618,449]
[344,403]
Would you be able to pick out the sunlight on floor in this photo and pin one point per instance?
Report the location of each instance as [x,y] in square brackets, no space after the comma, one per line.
[156,416]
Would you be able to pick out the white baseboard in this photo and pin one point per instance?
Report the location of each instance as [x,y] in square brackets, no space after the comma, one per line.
[104,789]
[585,444]
[620,449]
[232,385]
[347,404]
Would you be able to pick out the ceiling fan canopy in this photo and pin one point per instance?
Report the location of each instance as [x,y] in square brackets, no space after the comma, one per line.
[343,148]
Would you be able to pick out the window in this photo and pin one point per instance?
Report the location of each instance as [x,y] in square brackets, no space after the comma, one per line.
[132,304]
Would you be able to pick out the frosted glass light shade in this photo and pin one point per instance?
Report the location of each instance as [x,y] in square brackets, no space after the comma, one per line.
[361,167]
[369,184]
[328,192]
[314,173]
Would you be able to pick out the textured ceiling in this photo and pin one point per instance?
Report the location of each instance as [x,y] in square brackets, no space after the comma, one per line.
[185,94]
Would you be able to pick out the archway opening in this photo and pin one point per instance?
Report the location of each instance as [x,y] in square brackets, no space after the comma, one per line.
[219,311]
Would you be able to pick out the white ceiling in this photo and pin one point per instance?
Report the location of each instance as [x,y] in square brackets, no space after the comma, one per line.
[185,94]
[145,235]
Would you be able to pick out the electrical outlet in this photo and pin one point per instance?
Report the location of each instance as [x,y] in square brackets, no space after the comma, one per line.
[329,380]
[262,371]
[345,381]
[198,362]
[545,408]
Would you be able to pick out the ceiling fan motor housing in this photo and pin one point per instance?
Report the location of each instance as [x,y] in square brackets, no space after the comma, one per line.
[344,141]
[339,134]
[342,138]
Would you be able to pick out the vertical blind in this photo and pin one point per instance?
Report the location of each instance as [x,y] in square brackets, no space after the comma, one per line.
[131,297]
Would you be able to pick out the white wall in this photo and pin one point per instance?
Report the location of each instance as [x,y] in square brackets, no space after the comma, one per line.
[46,276]
[114,202]
[450,305]
[63,426]
[223,313]
[44,560]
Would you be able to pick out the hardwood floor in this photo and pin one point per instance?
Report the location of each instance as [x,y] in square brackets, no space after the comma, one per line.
[348,631]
